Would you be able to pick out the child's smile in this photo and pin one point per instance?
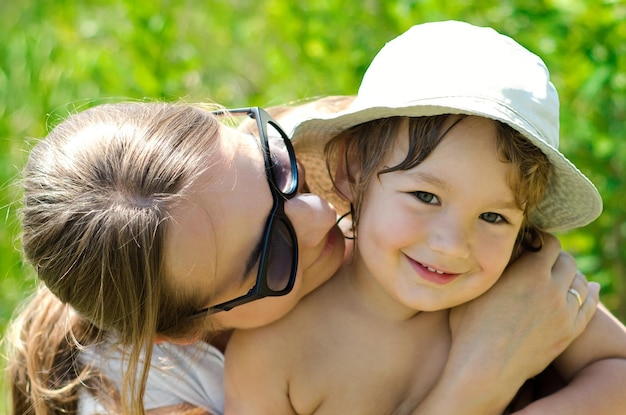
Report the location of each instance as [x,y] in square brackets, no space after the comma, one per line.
[432,274]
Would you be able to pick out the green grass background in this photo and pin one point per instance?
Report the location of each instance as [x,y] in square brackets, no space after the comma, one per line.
[60,56]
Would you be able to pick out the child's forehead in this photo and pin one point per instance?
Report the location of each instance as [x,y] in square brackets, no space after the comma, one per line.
[454,124]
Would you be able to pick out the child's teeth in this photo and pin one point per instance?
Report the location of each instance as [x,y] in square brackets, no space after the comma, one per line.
[433,270]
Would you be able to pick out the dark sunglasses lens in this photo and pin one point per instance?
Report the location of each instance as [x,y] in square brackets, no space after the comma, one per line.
[281,161]
[280,257]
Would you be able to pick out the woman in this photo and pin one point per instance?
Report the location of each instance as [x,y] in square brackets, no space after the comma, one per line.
[156,223]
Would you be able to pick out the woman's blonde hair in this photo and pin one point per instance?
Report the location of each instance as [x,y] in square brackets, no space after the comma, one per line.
[369,143]
[97,192]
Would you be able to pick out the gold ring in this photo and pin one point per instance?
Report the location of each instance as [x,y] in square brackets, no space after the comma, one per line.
[577,295]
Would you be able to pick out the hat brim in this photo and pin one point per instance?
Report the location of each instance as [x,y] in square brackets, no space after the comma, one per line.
[570,201]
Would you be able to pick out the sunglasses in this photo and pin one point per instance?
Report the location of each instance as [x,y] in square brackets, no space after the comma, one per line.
[279,254]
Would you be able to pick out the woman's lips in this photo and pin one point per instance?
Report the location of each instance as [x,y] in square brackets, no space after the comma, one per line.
[331,240]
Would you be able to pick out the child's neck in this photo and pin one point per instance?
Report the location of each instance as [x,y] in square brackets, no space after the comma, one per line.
[370,297]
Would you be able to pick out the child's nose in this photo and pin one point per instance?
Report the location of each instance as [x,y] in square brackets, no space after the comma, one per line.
[448,237]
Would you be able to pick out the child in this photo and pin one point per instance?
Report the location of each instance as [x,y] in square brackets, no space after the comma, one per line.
[449,159]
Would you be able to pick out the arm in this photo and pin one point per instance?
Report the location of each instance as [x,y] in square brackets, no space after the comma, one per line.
[594,366]
[180,409]
[511,333]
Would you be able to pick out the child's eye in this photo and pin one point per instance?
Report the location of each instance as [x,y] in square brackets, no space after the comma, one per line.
[426,197]
[492,217]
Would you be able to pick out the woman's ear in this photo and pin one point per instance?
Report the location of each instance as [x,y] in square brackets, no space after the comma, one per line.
[347,173]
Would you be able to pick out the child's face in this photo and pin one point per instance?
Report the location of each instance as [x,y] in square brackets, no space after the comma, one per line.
[441,233]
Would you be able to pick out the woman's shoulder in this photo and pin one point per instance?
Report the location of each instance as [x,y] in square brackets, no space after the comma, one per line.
[191,374]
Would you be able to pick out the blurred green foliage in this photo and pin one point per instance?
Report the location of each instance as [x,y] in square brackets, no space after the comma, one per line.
[57,56]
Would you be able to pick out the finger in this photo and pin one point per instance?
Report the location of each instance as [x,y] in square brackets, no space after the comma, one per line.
[550,249]
[564,269]
[546,258]
[578,298]
[577,291]
[550,242]
[588,309]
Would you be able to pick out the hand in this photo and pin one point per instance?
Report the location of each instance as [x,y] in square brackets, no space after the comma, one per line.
[514,330]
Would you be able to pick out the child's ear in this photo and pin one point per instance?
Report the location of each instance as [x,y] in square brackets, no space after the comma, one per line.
[347,173]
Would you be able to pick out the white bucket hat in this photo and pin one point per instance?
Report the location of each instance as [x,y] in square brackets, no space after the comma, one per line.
[455,68]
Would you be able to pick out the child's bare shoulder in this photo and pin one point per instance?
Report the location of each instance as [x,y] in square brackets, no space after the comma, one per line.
[306,316]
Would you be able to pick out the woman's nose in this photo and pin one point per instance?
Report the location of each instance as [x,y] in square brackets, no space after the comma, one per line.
[312,218]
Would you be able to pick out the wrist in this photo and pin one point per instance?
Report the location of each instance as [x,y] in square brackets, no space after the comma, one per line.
[468,388]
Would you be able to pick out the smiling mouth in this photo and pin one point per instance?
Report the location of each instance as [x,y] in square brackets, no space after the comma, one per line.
[431,269]
[431,274]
